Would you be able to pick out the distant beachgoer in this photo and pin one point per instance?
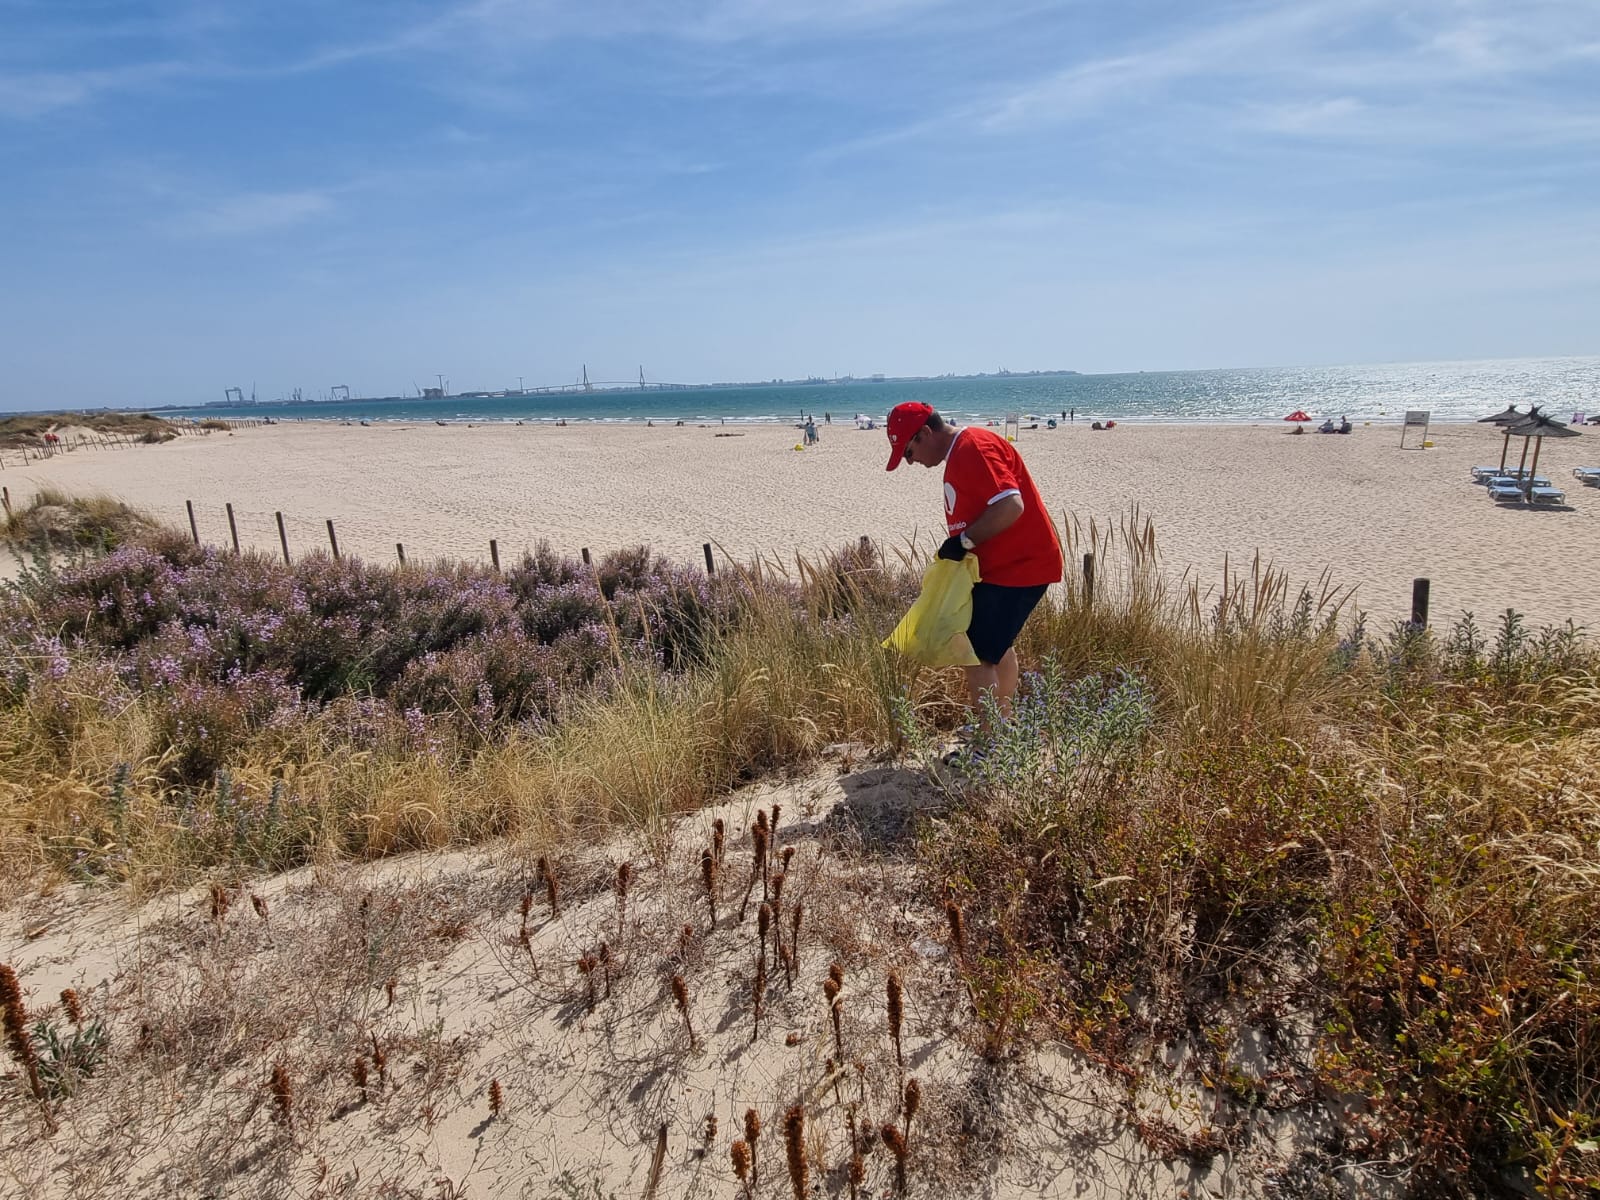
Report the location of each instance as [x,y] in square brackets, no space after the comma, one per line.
[811,432]
[1074,414]
[827,418]
[993,510]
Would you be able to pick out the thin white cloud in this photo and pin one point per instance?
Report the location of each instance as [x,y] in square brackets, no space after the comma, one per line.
[251,213]
[28,95]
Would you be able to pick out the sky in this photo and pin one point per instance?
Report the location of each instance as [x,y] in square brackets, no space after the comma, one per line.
[203,194]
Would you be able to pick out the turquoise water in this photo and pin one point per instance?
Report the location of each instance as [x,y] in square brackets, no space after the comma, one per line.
[1450,391]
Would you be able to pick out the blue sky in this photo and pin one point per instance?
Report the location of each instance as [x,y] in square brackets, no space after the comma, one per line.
[207,193]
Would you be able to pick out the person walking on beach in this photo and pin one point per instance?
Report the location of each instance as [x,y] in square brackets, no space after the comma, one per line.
[993,510]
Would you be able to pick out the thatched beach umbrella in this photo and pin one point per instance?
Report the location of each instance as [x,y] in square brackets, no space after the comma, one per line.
[1508,418]
[1535,428]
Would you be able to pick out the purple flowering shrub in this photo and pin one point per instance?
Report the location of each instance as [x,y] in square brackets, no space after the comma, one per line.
[223,646]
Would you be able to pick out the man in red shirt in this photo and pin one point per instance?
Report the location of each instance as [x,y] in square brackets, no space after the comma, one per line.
[992,510]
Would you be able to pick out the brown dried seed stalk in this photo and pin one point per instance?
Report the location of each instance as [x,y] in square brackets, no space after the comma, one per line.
[836,973]
[958,929]
[708,877]
[896,1013]
[380,1060]
[787,958]
[795,914]
[896,1141]
[760,992]
[552,890]
[586,965]
[788,854]
[794,1137]
[830,989]
[282,1095]
[719,835]
[913,1103]
[711,1127]
[526,906]
[741,1165]
[219,902]
[388,988]
[624,877]
[858,1165]
[680,993]
[358,1072]
[777,888]
[70,1002]
[776,809]
[16,1022]
[259,903]
[496,1098]
[752,1135]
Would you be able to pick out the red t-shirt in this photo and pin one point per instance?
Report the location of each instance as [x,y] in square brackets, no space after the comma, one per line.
[983,467]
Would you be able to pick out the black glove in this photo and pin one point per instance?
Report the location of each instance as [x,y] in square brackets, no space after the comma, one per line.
[953,549]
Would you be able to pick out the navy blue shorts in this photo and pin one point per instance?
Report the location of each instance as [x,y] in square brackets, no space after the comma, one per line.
[998,613]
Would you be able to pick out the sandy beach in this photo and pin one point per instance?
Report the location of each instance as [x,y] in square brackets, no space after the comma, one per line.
[1375,516]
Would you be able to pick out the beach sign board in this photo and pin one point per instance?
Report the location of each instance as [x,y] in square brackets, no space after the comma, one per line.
[1416,419]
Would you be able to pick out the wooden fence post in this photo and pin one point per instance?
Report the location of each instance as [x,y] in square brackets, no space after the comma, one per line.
[194,530]
[494,555]
[283,538]
[585,553]
[333,541]
[1088,578]
[1419,604]
[400,552]
[5,495]
[711,565]
[233,530]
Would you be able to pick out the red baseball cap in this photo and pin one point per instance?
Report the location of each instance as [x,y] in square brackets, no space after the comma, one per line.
[904,421]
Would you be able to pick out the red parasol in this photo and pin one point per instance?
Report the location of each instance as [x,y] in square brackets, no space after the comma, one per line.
[1298,414]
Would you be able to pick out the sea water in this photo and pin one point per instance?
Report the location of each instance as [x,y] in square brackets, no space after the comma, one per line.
[1449,391]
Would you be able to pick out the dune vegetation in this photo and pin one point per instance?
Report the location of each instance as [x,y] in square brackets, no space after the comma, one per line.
[1224,812]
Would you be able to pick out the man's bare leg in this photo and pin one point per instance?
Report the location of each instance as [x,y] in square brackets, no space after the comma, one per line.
[999,679]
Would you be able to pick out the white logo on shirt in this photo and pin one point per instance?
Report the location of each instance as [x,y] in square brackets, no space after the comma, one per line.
[949,498]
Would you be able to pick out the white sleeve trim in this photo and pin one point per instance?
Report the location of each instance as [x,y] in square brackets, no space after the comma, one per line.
[1003,495]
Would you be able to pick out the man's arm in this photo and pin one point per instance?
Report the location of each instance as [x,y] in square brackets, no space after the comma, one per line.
[996,519]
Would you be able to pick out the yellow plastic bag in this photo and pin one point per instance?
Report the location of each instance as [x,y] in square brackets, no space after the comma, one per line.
[934,632]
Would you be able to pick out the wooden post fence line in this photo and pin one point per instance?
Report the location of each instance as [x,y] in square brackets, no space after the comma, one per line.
[283,538]
[494,555]
[333,541]
[400,552]
[233,530]
[194,530]
[1088,578]
[586,560]
[5,494]
[711,566]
